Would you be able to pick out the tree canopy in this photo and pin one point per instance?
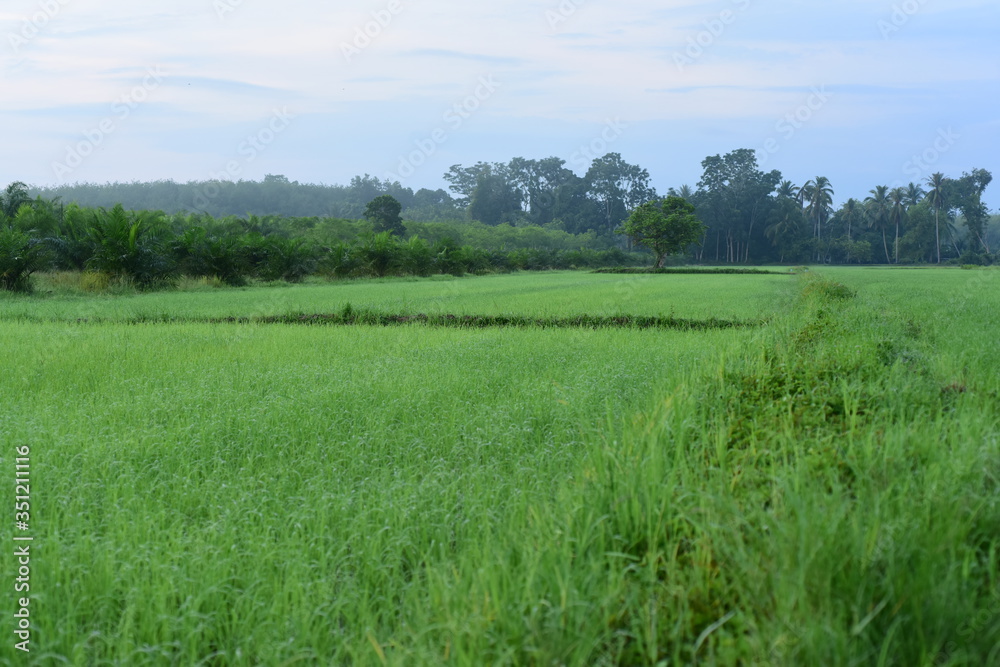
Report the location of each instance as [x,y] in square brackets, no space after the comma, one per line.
[666,227]
[384,214]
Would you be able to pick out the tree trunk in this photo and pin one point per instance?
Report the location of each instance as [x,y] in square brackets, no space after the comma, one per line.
[895,246]
[937,235]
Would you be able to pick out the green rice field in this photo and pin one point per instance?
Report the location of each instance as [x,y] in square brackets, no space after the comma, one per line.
[818,487]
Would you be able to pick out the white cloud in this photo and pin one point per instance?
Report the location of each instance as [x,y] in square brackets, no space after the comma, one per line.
[561,78]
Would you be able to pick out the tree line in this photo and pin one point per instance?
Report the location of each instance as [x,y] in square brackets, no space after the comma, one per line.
[749,215]
[756,216]
[521,192]
[151,248]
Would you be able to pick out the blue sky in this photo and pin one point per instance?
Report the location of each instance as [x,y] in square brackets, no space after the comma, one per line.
[864,92]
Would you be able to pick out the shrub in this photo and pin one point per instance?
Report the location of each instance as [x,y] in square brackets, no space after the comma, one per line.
[473,260]
[125,248]
[447,258]
[828,290]
[339,261]
[418,257]
[20,256]
[73,244]
[381,254]
[290,260]
[201,255]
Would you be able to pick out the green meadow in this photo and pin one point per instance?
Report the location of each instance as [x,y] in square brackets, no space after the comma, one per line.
[821,486]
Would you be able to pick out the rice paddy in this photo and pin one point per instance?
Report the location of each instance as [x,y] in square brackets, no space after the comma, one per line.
[820,487]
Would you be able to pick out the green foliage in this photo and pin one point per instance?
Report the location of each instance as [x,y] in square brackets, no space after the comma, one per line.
[20,256]
[38,218]
[279,258]
[494,200]
[13,198]
[825,290]
[447,257]
[381,255]
[666,227]
[383,212]
[127,245]
[733,199]
[418,257]
[340,261]
[72,244]
[199,254]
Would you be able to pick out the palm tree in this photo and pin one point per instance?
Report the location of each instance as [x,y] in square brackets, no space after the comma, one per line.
[685,192]
[897,211]
[788,190]
[784,227]
[15,196]
[877,208]
[852,213]
[818,197]
[935,198]
[914,195]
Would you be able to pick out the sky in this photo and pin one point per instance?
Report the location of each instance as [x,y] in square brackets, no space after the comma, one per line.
[864,92]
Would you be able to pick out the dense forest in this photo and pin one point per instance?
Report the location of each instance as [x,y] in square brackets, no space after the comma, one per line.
[498,216]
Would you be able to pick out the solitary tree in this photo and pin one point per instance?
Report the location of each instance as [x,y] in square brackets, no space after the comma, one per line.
[666,227]
[383,211]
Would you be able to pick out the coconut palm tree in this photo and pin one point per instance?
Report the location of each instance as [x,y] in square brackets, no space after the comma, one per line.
[935,197]
[787,217]
[852,214]
[788,190]
[818,198]
[914,195]
[897,211]
[877,209]
[684,192]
